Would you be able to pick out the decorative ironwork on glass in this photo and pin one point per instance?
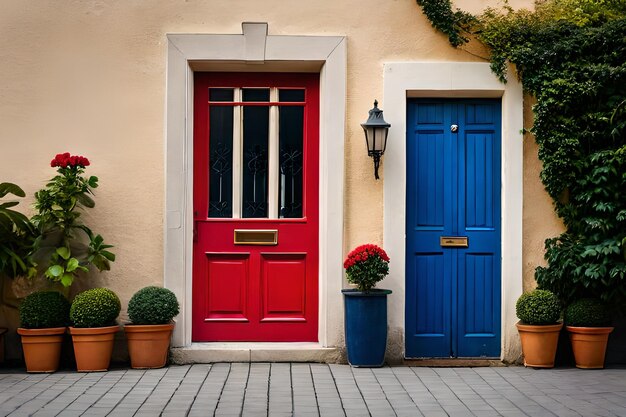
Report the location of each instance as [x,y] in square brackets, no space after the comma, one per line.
[290,183]
[290,137]
[257,167]
[221,162]
[255,178]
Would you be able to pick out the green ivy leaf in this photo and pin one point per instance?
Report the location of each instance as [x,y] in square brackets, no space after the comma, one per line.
[67,280]
[55,271]
[63,252]
[72,264]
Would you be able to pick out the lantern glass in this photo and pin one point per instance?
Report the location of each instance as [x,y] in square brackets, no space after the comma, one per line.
[376,138]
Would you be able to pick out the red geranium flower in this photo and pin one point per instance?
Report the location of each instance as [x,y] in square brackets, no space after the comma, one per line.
[65,160]
[366,265]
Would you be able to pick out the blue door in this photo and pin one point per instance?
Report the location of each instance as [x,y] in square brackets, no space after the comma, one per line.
[453,228]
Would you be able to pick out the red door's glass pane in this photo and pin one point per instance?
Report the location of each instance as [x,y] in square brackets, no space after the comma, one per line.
[256,94]
[255,154]
[220,161]
[291,120]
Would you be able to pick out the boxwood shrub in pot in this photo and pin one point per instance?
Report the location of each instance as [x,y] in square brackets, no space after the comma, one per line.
[93,314]
[539,312]
[588,322]
[44,316]
[151,310]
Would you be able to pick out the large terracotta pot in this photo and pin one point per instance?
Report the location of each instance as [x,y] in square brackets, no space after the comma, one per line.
[148,345]
[93,347]
[539,344]
[589,345]
[42,348]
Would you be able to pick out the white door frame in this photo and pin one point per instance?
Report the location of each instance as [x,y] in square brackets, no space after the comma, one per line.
[254,51]
[454,80]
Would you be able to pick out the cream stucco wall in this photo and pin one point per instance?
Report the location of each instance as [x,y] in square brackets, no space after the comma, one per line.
[89,77]
[540,221]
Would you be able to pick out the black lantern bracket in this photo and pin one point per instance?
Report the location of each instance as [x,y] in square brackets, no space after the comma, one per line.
[376,130]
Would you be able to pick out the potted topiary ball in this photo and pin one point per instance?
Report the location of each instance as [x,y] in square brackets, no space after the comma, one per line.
[539,312]
[93,314]
[588,322]
[151,310]
[366,306]
[44,316]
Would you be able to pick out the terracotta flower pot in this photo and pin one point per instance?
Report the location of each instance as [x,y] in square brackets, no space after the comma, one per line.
[93,347]
[589,345]
[539,344]
[42,348]
[148,345]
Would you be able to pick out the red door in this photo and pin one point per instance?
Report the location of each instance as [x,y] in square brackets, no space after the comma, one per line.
[256,163]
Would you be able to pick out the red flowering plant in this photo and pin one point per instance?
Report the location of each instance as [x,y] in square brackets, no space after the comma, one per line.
[366,265]
[65,244]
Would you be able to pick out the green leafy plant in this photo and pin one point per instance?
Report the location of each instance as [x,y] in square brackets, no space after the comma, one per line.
[455,24]
[571,56]
[62,236]
[366,265]
[17,235]
[153,305]
[538,307]
[44,309]
[98,307]
[587,312]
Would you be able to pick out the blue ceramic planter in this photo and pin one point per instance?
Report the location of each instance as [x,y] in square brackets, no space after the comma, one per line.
[366,326]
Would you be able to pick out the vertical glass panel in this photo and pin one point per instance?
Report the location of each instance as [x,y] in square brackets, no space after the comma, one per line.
[255,152]
[256,94]
[290,161]
[295,96]
[221,94]
[220,161]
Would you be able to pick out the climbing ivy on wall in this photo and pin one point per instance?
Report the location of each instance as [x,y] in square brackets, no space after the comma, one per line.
[453,23]
[571,56]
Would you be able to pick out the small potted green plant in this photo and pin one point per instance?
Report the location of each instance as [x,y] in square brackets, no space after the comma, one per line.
[93,314]
[539,312]
[588,322]
[366,306]
[44,316]
[151,310]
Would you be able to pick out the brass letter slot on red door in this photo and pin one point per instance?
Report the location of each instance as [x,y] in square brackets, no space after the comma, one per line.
[256,237]
[453,241]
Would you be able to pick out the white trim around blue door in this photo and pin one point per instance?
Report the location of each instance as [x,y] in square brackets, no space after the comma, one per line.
[454,80]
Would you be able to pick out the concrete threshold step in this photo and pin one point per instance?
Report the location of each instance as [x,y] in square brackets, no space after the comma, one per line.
[453,362]
[255,352]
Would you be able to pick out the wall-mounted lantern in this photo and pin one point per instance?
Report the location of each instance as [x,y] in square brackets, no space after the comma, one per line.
[376,130]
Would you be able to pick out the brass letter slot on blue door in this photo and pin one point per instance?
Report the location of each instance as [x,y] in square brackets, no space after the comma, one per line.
[256,237]
[453,241]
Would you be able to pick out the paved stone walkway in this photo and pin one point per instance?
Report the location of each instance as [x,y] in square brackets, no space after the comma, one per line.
[284,389]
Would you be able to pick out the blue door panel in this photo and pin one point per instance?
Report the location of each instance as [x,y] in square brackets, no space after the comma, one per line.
[432,319]
[453,189]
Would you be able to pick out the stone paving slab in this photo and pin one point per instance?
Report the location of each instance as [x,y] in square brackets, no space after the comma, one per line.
[301,389]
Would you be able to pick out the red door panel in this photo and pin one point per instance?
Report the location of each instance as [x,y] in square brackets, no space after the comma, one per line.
[227,281]
[256,165]
[283,285]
